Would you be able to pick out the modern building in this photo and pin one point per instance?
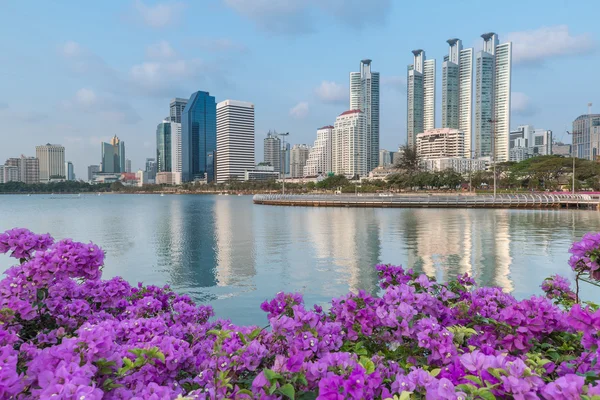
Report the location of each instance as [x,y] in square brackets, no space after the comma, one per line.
[414,120]
[128,166]
[298,158]
[526,142]
[364,96]
[51,161]
[69,171]
[428,94]
[199,137]
[349,144]
[586,129]
[457,90]
[261,173]
[177,150]
[113,156]
[151,168]
[176,109]
[9,173]
[168,178]
[492,98]
[441,143]
[458,164]
[235,139]
[92,171]
[385,158]
[320,157]
[163,146]
[28,167]
[272,151]
[142,178]
[561,149]
[285,159]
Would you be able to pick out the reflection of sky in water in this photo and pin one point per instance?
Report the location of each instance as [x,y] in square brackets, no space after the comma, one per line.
[233,254]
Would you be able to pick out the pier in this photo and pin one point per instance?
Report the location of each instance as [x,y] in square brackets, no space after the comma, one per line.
[530,201]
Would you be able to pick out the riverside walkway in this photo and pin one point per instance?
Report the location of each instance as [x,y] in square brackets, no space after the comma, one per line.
[540,200]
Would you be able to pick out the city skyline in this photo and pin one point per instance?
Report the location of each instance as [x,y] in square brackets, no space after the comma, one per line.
[122,85]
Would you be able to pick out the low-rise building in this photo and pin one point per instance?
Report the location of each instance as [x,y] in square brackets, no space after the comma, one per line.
[458,164]
[9,174]
[168,178]
[261,173]
[441,143]
[561,149]
[142,178]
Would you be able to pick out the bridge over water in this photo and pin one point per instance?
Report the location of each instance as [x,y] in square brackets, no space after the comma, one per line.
[385,200]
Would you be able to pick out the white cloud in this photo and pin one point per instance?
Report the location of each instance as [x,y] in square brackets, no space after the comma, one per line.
[161,49]
[300,110]
[86,97]
[331,92]
[71,48]
[520,104]
[107,106]
[538,45]
[296,16]
[158,15]
[394,82]
[162,78]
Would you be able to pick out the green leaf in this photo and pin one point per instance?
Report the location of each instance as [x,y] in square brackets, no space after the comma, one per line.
[245,391]
[254,334]
[486,395]
[302,379]
[468,388]
[474,379]
[160,356]
[272,389]
[271,375]
[306,396]
[404,395]
[242,337]
[288,391]
[367,364]
[435,372]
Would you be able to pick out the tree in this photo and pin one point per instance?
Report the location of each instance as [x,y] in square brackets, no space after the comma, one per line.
[117,186]
[410,160]
[333,182]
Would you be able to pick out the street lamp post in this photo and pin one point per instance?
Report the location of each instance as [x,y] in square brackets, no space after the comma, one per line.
[493,122]
[573,157]
[280,166]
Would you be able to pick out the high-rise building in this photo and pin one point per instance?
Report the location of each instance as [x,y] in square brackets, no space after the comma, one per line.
[163,147]
[51,161]
[176,109]
[235,139]
[428,94]
[92,170]
[492,98]
[415,97]
[113,156]
[440,143]
[28,167]
[199,137]
[272,151]
[128,166]
[285,159]
[457,90]
[9,173]
[350,144]
[298,157]
[364,96]
[151,168]
[69,171]
[176,151]
[320,156]
[586,131]
[385,158]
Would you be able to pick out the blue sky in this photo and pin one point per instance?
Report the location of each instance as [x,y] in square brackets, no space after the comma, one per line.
[77,75]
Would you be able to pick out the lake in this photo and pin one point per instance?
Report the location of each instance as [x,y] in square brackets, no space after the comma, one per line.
[228,252]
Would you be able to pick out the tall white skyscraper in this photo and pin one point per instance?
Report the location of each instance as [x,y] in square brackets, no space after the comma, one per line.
[349,145]
[420,96]
[176,150]
[492,98]
[364,96]
[320,156]
[298,157]
[52,161]
[429,94]
[235,139]
[176,108]
[457,91]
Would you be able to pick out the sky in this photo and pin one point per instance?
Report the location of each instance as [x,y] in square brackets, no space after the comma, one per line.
[77,73]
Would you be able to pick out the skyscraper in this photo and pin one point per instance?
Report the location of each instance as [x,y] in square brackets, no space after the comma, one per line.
[285,159]
[457,83]
[272,151]
[199,137]
[298,157]
[176,150]
[492,98]
[235,139]
[151,168]
[69,171]
[350,144]
[92,170]
[429,94]
[414,117]
[28,167]
[319,158]
[176,109]
[163,147]
[113,156]
[586,136]
[51,161]
[128,166]
[364,96]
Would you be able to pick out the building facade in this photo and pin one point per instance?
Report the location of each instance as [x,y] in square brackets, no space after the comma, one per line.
[163,147]
[235,139]
[69,171]
[199,137]
[168,178]
[298,158]
[364,96]
[113,156]
[584,133]
[92,171]
[441,143]
[429,94]
[51,161]
[385,158]
[561,149]
[151,168]
[261,173]
[128,166]
[285,159]
[349,144]
[492,98]
[458,164]
[9,173]
[414,93]
[320,156]
[28,167]
[176,108]
[526,142]
[272,151]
